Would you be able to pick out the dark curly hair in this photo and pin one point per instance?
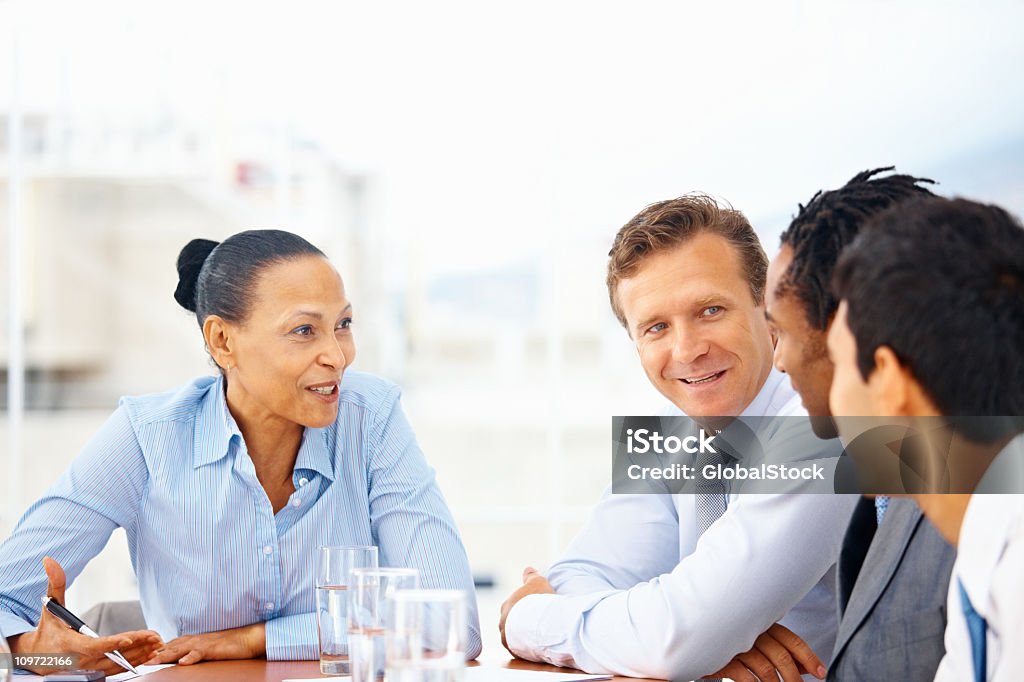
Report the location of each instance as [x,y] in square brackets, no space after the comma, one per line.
[830,221]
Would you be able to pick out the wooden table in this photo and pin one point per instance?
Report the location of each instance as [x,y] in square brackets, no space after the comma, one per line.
[275,671]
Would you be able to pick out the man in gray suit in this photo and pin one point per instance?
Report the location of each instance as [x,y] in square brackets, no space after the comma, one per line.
[894,567]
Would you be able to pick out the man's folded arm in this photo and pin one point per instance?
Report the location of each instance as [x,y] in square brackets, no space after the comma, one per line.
[748,570]
[627,539]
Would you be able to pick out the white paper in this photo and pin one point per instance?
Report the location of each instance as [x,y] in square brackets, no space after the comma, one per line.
[143,670]
[484,673]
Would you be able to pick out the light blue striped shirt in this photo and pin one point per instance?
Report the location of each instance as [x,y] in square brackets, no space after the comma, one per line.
[208,549]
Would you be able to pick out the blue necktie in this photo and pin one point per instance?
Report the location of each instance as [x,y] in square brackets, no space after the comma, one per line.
[881,506]
[976,626]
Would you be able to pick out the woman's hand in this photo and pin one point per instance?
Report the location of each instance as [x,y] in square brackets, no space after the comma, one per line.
[52,636]
[249,641]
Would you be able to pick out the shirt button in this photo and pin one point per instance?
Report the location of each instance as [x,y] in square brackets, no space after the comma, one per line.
[269,606]
[297,502]
[268,550]
[303,481]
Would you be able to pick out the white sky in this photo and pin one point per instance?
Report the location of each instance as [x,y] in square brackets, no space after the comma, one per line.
[529,123]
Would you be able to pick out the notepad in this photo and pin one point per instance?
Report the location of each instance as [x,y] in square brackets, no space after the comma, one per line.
[143,670]
[487,674]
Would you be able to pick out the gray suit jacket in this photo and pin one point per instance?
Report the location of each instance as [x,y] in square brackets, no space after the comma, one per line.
[893,584]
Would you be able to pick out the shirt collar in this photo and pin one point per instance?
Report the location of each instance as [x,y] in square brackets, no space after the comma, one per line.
[1006,472]
[314,455]
[985,531]
[983,538]
[775,393]
[215,428]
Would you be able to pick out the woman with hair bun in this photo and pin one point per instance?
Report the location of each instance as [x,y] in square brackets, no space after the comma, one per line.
[227,486]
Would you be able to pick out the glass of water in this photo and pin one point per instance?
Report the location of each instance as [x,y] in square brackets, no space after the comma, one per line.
[333,572]
[427,639]
[6,660]
[370,614]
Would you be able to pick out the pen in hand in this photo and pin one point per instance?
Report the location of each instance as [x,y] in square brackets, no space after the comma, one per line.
[78,625]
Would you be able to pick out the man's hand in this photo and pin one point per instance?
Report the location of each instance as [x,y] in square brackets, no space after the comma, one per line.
[249,641]
[533,583]
[53,636]
[777,652]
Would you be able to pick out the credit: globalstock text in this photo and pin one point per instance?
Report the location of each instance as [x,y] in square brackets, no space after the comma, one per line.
[762,472]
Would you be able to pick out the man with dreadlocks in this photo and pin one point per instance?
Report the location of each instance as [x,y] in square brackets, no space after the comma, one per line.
[894,566]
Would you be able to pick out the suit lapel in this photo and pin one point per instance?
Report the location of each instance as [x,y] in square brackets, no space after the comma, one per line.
[880,563]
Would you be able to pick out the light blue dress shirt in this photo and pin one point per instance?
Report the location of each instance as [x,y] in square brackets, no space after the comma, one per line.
[640,594]
[207,548]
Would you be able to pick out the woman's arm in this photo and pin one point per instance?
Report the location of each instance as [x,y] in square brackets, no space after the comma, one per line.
[411,521]
[100,491]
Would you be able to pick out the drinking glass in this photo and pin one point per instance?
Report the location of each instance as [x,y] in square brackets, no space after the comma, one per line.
[427,639]
[6,660]
[370,615]
[334,568]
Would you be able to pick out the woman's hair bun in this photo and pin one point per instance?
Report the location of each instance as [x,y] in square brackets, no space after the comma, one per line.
[190,264]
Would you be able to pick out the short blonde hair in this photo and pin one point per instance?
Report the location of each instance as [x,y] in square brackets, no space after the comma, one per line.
[667,224]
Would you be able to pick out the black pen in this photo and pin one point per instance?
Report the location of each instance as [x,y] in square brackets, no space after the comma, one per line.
[78,625]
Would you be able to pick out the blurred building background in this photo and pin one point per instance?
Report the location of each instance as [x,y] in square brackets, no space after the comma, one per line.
[465,168]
